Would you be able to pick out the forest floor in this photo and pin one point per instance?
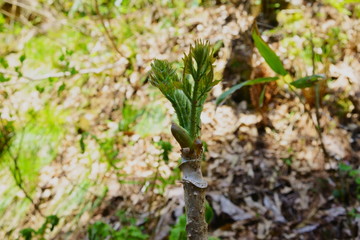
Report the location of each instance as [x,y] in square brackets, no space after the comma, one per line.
[268,175]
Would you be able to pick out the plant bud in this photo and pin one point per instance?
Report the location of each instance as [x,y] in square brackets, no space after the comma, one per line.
[181,136]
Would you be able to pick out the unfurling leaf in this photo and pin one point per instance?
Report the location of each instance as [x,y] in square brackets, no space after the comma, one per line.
[188,94]
[308,81]
[181,136]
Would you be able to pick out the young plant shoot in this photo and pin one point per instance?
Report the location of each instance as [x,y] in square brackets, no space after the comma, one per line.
[187,95]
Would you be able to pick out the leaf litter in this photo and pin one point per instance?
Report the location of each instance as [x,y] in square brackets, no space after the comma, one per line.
[264,183]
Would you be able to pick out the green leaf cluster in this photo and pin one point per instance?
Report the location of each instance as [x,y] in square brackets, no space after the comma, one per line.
[129,230]
[188,93]
[353,173]
[166,148]
[100,230]
[178,232]
[351,176]
[50,223]
[275,64]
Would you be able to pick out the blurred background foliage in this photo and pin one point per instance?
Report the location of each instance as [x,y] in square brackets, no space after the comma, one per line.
[79,121]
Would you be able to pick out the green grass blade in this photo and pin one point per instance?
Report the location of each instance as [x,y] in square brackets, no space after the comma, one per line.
[262,95]
[268,54]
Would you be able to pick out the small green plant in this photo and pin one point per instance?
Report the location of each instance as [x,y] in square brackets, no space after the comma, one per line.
[187,94]
[349,177]
[166,148]
[100,230]
[129,115]
[288,160]
[271,59]
[107,146]
[347,191]
[109,150]
[157,180]
[49,224]
[276,65]
[353,213]
[5,65]
[178,232]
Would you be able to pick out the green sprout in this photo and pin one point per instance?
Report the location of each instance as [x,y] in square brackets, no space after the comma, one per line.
[187,94]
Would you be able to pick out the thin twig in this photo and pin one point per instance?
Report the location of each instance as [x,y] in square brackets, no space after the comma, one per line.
[317,99]
[22,20]
[310,116]
[75,185]
[16,172]
[152,189]
[107,32]
[29,7]
[120,62]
